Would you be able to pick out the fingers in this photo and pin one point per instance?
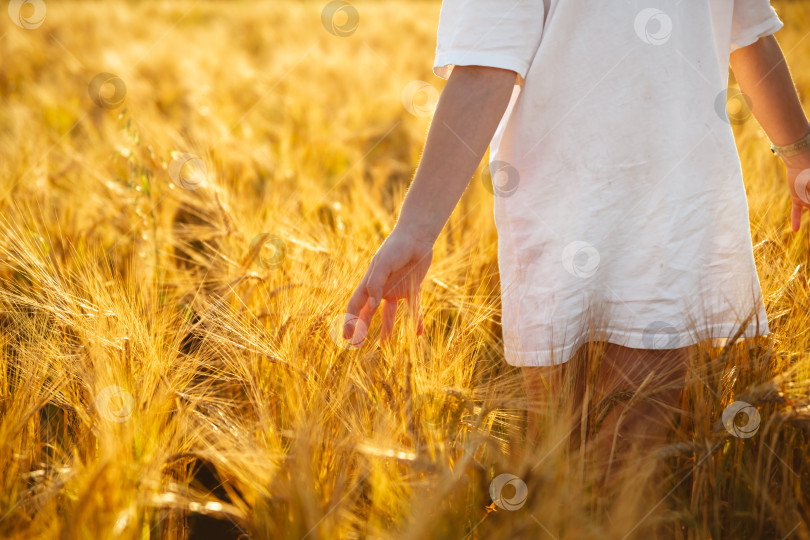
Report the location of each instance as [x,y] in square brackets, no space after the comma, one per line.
[376,278]
[389,314]
[369,295]
[356,304]
[362,302]
[796,216]
[360,326]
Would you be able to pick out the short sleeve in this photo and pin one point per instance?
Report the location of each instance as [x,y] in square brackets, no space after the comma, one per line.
[495,33]
[751,20]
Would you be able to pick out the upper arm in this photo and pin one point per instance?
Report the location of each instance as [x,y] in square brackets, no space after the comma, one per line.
[484,72]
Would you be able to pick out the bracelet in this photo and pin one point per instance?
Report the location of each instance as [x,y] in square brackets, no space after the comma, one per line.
[792,149]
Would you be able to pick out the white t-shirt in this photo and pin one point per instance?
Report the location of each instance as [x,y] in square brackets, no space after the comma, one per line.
[619,199]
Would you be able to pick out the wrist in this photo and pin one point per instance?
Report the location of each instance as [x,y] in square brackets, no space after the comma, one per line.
[796,151]
[420,234]
[418,220]
[799,161]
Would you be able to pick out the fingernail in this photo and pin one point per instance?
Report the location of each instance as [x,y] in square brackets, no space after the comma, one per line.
[348,328]
[373,303]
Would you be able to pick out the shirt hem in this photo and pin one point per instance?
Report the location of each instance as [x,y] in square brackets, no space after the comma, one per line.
[635,340]
[766,28]
[446,61]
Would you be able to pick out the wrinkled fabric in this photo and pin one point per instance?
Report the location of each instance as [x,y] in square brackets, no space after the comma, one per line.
[618,194]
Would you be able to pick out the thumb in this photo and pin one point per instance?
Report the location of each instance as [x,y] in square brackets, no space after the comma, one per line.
[353,311]
[795,216]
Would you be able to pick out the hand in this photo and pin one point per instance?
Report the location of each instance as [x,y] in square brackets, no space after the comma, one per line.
[798,179]
[395,273]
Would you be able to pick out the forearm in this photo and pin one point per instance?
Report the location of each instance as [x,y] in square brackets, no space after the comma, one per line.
[467,115]
[763,76]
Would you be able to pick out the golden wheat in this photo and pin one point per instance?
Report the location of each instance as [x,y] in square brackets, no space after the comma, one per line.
[169,367]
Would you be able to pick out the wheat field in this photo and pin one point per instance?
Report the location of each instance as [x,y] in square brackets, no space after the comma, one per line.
[192,190]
